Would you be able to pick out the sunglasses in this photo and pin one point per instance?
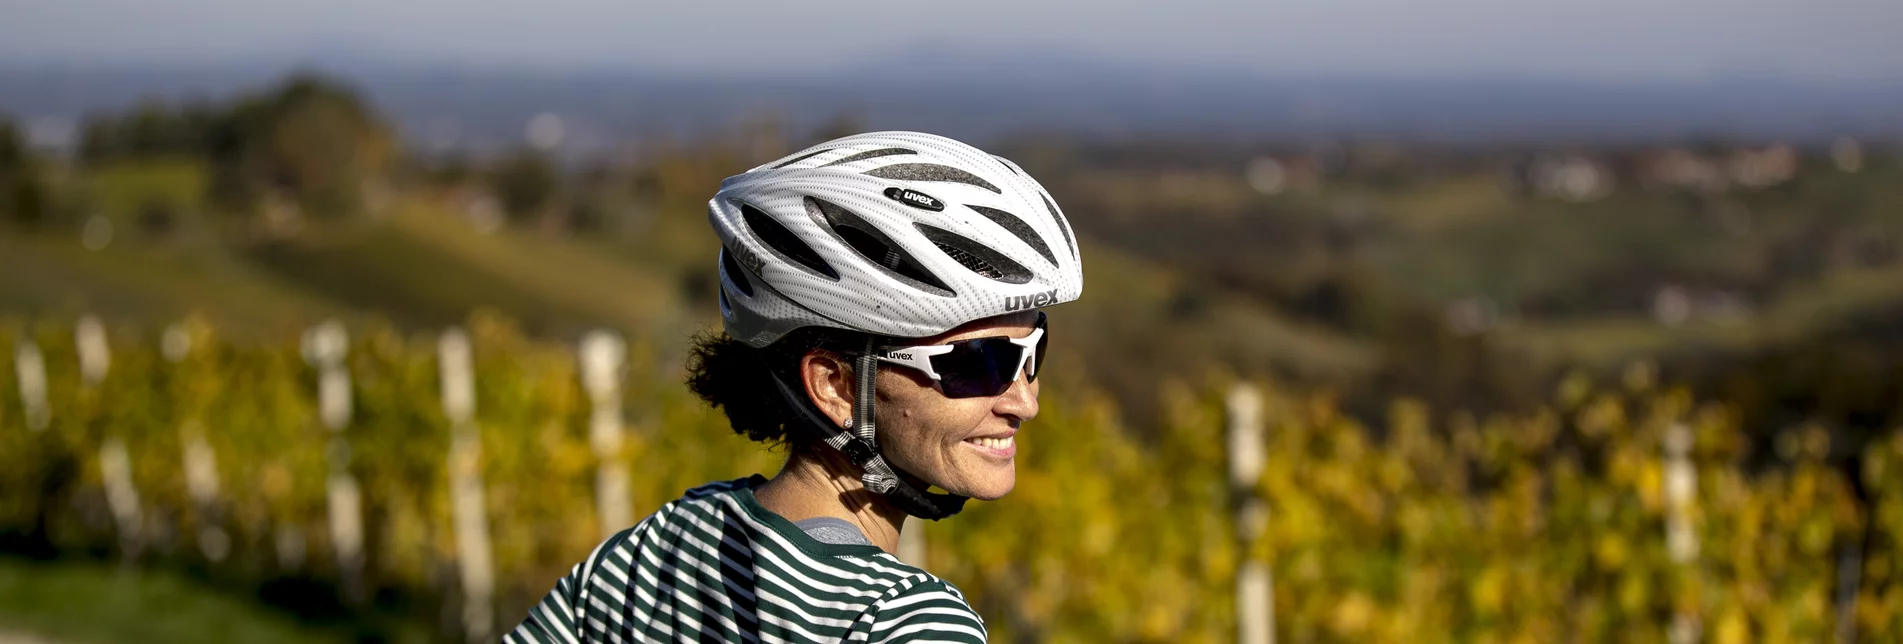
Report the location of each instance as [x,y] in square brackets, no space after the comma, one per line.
[975,367]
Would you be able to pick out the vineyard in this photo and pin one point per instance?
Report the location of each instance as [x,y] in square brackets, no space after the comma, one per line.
[1621,511]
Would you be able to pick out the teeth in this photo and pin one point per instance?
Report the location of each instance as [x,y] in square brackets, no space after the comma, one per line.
[993,443]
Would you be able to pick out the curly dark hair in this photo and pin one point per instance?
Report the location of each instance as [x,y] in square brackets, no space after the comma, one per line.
[738,379]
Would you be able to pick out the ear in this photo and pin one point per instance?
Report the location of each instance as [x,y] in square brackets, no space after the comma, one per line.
[829,384]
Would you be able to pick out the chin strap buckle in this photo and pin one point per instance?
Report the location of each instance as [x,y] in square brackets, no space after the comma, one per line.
[856,450]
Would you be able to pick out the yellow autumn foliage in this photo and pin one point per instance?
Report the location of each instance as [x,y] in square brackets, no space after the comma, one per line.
[1548,526]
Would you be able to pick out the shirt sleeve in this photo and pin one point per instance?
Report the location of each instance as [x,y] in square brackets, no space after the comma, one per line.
[928,612]
[557,618]
[550,621]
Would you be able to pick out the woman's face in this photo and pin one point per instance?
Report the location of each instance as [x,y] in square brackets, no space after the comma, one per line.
[967,446]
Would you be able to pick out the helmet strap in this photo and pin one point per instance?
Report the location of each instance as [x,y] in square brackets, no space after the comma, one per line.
[861,445]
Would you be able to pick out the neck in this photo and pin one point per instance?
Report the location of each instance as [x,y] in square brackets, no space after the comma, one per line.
[820,482]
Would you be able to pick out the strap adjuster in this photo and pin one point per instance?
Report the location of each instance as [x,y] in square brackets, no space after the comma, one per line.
[858,451]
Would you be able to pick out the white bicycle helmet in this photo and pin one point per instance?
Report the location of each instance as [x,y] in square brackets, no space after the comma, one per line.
[898,234]
[891,234]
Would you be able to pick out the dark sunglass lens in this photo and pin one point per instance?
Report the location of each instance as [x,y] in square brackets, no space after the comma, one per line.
[1005,360]
[977,368]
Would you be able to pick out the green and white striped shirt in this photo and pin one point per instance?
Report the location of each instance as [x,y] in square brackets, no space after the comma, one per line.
[715,566]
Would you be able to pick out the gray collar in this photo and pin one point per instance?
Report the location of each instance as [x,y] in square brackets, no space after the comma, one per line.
[833,530]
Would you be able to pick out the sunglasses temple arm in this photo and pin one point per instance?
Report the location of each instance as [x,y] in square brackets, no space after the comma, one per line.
[919,358]
[1028,356]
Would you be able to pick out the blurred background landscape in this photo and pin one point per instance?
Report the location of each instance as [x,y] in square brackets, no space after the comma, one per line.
[1487,266]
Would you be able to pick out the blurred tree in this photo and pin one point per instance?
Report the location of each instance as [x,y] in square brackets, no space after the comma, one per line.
[12,149]
[1448,369]
[22,196]
[448,169]
[598,201]
[150,130]
[157,218]
[312,139]
[526,184]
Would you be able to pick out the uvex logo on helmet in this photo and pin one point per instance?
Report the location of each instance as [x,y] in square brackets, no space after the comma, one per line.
[1032,301]
[747,257]
[915,199]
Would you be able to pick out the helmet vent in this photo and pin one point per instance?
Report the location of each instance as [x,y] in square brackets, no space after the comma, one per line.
[875,247]
[871,154]
[930,172]
[1017,227]
[1062,225]
[800,158]
[784,242]
[972,262]
[975,256]
[734,274]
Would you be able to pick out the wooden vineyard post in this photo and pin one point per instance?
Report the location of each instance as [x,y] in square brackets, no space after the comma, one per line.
[325,347]
[29,367]
[602,355]
[1681,538]
[115,465]
[471,515]
[201,465]
[1255,589]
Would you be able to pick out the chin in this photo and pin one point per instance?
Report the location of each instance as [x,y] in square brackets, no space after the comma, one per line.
[990,486]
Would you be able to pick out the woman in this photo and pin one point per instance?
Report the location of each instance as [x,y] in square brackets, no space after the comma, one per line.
[881,297]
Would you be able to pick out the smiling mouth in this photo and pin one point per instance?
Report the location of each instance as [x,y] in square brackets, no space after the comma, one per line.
[999,446]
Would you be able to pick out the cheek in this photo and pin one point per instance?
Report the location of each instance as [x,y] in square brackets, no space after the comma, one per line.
[924,426]
[934,422]
[955,419]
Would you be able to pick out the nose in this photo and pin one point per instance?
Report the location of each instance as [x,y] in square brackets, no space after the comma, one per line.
[1020,401]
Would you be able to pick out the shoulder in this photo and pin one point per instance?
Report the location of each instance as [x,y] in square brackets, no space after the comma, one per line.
[698,501]
[925,609]
[715,488]
[709,499]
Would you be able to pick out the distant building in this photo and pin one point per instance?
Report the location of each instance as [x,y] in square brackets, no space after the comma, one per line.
[1681,169]
[1272,175]
[1267,175]
[1674,305]
[1748,168]
[1762,167]
[544,131]
[1847,155]
[1472,315]
[479,207]
[53,136]
[1568,177]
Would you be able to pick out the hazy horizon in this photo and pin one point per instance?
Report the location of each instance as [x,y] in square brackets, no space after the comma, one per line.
[1614,40]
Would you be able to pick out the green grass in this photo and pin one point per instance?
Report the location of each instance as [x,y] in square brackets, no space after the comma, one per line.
[121,190]
[421,268]
[1457,201]
[425,269]
[1807,310]
[51,275]
[77,603]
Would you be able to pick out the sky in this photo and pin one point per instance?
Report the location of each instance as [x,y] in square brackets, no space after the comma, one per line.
[1599,39]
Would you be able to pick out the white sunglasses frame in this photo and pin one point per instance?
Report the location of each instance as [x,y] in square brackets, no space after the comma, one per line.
[919,357]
